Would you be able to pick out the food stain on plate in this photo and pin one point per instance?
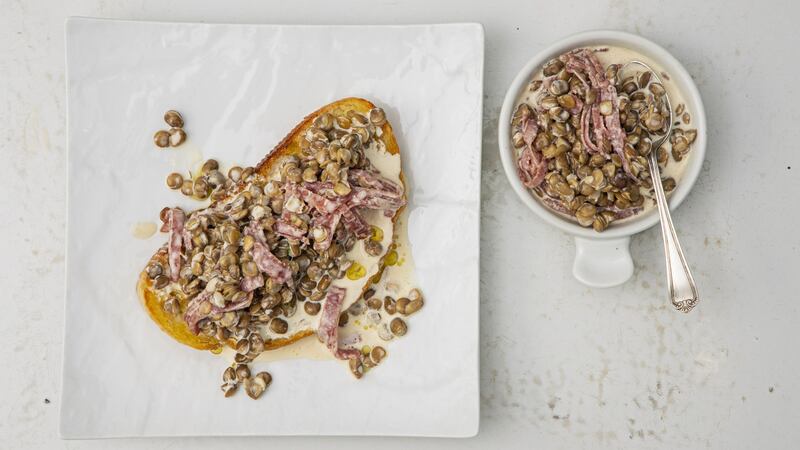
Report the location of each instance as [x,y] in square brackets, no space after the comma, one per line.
[143,230]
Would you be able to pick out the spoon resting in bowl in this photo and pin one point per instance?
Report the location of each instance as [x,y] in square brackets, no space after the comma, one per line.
[682,289]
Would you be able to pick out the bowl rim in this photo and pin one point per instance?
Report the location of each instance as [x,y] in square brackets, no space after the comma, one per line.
[678,74]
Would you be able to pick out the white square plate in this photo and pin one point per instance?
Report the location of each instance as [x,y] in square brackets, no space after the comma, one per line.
[241,89]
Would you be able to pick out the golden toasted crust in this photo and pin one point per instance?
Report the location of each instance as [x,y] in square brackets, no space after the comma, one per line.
[174,325]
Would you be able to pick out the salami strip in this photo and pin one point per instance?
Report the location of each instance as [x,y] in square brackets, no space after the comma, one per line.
[270,264]
[531,165]
[328,331]
[289,231]
[607,127]
[194,313]
[264,259]
[355,223]
[175,219]
[250,284]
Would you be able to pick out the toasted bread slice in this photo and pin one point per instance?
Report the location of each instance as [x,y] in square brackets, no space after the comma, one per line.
[174,324]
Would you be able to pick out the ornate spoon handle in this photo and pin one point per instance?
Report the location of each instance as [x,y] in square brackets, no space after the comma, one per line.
[682,290]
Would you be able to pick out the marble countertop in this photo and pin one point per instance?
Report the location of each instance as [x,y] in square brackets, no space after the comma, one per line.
[562,365]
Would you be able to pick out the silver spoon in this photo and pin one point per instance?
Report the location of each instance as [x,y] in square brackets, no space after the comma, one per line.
[682,289]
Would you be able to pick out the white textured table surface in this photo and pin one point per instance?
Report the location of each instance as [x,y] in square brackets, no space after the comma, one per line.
[563,366]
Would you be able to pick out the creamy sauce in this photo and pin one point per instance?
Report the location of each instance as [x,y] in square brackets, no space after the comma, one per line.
[186,157]
[397,280]
[620,55]
[389,167]
[308,347]
[143,230]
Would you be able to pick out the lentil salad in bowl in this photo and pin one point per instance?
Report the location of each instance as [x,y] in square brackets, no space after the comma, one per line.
[576,127]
